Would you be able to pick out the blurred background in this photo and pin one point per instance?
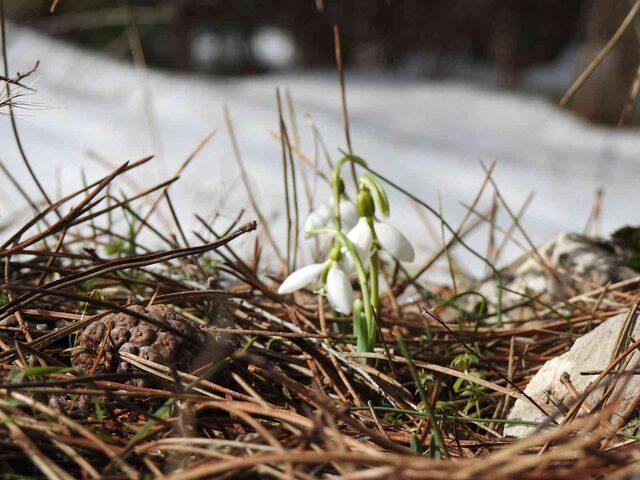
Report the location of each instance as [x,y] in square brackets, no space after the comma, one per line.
[532,45]
[437,90]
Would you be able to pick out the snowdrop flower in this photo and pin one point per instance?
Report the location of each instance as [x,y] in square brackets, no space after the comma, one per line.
[318,218]
[323,215]
[389,237]
[339,290]
[372,198]
[394,242]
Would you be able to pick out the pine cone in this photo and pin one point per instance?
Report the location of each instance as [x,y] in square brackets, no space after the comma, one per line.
[132,335]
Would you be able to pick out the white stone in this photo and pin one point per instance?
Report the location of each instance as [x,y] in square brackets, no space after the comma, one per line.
[582,263]
[591,352]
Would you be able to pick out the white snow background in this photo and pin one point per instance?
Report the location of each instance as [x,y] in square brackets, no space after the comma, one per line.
[428,136]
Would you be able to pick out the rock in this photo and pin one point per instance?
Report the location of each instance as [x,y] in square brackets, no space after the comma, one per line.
[61,323]
[591,352]
[583,263]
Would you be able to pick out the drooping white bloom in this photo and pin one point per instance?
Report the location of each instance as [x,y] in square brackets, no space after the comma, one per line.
[394,242]
[360,236]
[339,290]
[323,215]
[390,238]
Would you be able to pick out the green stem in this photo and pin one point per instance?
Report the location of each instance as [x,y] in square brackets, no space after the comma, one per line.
[499,304]
[360,328]
[373,275]
[536,300]
[373,278]
[375,296]
[336,199]
[453,298]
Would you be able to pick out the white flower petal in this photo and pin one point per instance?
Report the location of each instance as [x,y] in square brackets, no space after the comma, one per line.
[318,218]
[348,214]
[301,278]
[339,290]
[394,242]
[347,263]
[360,236]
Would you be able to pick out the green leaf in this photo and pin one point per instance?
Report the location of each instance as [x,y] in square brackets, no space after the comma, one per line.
[435,428]
[103,434]
[18,376]
[435,449]
[165,410]
[99,409]
[415,445]
[46,370]
[14,402]
[458,384]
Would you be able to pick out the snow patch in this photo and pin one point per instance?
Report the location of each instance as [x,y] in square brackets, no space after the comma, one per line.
[427,136]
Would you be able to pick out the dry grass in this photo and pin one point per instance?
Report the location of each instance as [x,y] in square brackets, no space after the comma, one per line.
[296,400]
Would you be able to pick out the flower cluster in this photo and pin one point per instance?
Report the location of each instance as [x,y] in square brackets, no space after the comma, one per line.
[361,240]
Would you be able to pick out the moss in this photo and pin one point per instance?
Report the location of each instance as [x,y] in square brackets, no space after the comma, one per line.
[628,237]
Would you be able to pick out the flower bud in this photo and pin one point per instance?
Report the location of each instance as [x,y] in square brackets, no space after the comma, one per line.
[366,207]
[335,254]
